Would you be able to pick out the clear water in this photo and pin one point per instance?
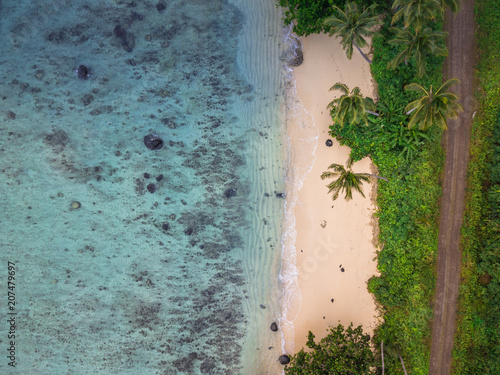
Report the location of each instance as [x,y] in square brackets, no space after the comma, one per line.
[104,288]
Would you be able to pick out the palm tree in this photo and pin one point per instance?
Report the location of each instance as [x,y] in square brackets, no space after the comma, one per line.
[418,45]
[352,106]
[416,13]
[347,180]
[352,27]
[433,107]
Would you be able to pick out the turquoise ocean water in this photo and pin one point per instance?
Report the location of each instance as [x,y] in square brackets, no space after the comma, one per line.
[130,260]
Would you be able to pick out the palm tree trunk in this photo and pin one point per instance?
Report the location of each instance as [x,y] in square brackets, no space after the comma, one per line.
[411,111]
[382,352]
[403,364]
[382,178]
[362,54]
[372,113]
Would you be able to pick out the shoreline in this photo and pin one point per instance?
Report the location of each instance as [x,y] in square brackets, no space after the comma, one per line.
[332,242]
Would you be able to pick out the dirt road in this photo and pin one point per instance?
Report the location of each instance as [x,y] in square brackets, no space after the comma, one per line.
[460,64]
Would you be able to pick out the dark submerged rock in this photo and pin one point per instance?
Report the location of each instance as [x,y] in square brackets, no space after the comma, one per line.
[126,39]
[153,142]
[159,178]
[280,195]
[189,231]
[160,7]
[147,175]
[274,327]
[329,142]
[284,359]
[165,226]
[230,193]
[83,72]
[151,188]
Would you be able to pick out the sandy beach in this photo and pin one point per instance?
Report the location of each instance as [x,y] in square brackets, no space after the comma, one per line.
[335,251]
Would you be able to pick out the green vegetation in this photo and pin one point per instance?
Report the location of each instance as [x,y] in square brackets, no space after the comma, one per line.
[418,45]
[342,351]
[346,180]
[350,107]
[408,203]
[408,206]
[477,345]
[433,108]
[309,15]
[416,13]
[412,160]
[352,26]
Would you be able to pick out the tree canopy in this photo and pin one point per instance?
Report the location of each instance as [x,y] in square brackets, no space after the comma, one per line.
[350,106]
[433,107]
[342,351]
[418,45]
[308,15]
[352,26]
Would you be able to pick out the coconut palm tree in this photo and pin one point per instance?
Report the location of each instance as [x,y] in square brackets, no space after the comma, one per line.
[351,105]
[433,108]
[416,13]
[418,45]
[352,26]
[346,180]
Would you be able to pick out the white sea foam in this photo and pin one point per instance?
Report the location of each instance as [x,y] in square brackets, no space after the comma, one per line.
[301,156]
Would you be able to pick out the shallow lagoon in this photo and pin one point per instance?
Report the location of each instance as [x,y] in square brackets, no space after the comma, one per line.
[183,280]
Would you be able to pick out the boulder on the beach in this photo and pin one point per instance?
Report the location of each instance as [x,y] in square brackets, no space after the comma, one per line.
[274,327]
[293,55]
[153,142]
[284,359]
[329,142]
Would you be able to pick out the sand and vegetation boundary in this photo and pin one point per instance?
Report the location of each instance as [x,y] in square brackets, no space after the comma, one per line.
[408,204]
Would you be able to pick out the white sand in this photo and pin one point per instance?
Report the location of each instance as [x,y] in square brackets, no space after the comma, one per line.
[330,233]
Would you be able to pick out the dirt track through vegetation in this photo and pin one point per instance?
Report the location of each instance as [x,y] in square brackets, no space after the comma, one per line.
[459,64]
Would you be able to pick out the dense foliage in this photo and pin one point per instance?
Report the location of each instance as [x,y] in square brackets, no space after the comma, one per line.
[477,348]
[308,15]
[408,203]
[408,206]
[342,351]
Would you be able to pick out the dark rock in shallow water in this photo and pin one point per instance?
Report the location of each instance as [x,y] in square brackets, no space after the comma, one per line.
[230,193]
[147,175]
[262,306]
[153,142]
[83,72]
[280,195]
[160,7]
[329,143]
[274,327]
[189,231]
[159,178]
[284,359]
[293,55]
[165,226]
[151,188]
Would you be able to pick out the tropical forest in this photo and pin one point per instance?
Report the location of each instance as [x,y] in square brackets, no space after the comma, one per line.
[404,131]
